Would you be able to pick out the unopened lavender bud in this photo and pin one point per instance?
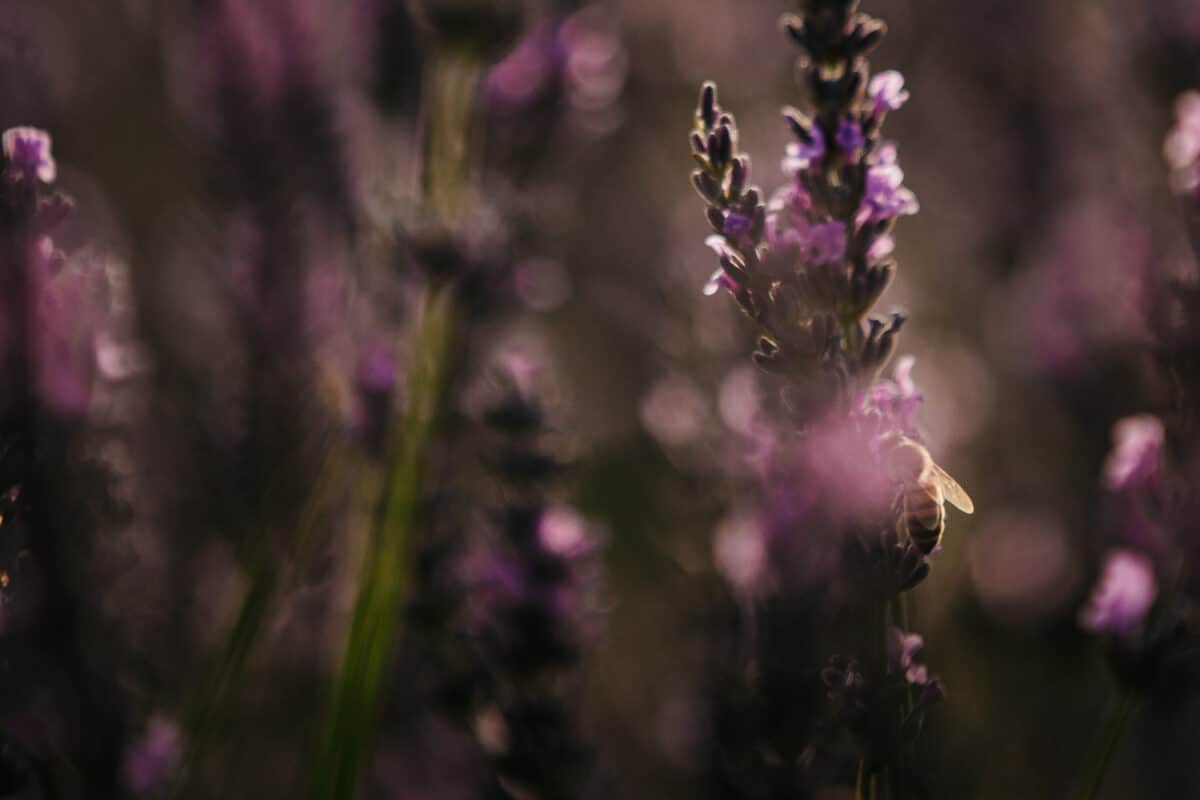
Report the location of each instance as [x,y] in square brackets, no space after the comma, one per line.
[725,142]
[716,218]
[707,186]
[738,174]
[800,123]
[794,25]
[698,144]
[867,34]
[708,104]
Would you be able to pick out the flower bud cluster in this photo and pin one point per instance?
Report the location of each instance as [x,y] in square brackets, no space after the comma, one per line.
[514,592]
[807,267]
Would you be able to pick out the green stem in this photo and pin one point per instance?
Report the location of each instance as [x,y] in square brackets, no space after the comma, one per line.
[385,573]
[1103,748]
[450,138]
[383,581]
[226,674]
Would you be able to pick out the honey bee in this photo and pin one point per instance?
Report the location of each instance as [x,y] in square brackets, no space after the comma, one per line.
[924,489]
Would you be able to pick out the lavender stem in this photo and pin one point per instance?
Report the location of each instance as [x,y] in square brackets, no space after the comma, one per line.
[1103,748]
[384,578]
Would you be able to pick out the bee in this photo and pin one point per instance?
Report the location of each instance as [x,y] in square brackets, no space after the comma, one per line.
[924,489]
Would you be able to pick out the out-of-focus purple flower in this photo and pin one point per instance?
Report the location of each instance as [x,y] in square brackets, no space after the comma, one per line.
[1181,149]
[374,383]
[595,61]
[1123,596]
[885,196]
[1137,446]
[740,551]
[521,76]
[800,155]
[883,246]
[902,655]
[887,92]
[564,532]
[27,151]
[152,760]
[850,136]
[828,242]
[897,400]
[62,337]
[788,225]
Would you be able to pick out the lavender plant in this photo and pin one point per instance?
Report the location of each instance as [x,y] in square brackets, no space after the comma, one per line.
[855,507]
[1143,606]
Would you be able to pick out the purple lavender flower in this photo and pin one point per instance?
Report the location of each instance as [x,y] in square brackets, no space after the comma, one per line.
[27,151]
[897,400]
[152,760]
[902,655]
[827,241]
[1137,446]
[885,196]
[517,80]
[850,136]
[1123,596]
[887,92]
[802,155]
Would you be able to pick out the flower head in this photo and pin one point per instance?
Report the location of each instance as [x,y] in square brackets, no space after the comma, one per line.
[27,151]
[1137,445]
[887,92]
[1123,596]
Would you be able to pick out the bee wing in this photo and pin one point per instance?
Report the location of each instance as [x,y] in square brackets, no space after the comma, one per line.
[955,494]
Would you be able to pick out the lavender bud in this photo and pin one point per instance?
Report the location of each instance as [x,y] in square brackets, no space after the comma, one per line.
[708,104]
[738,175]
[707,186]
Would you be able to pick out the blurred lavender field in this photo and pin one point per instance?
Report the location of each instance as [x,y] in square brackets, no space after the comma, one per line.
[368,428]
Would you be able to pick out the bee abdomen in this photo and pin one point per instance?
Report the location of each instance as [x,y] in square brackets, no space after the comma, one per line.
[924,517]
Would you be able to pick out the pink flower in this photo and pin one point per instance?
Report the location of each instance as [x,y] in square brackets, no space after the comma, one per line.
[1137,445]
[1123,596]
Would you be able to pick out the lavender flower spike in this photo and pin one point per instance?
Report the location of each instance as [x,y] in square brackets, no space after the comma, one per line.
[1137,446]
[1123,596]
[27,151]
